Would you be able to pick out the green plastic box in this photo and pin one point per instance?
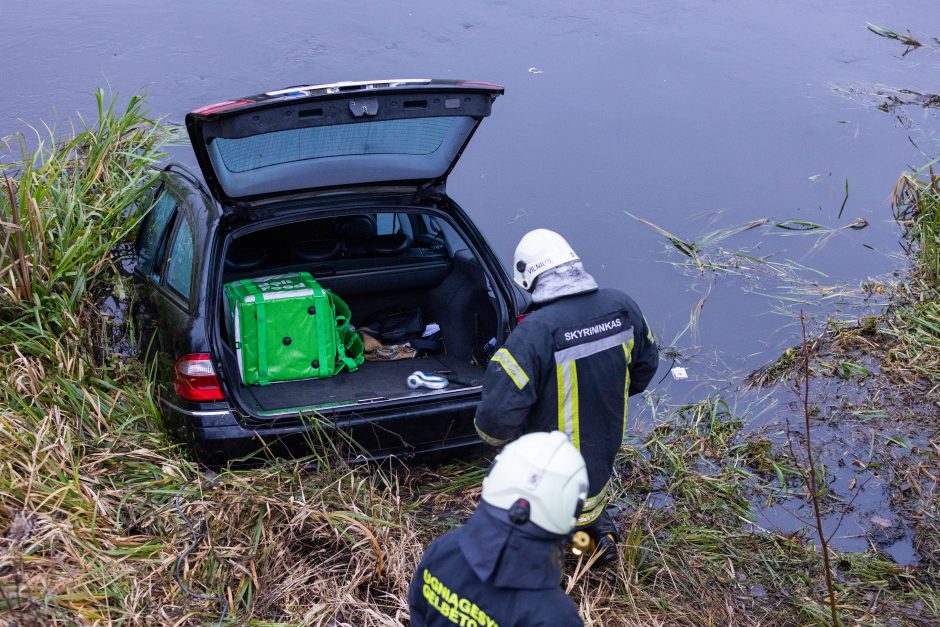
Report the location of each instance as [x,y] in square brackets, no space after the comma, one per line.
[287,327]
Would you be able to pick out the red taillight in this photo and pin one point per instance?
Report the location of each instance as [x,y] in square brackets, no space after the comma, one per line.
[220,106]
[520,318]
[194,378]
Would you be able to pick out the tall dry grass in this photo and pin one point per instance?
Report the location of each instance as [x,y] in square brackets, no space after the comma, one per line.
[92,515]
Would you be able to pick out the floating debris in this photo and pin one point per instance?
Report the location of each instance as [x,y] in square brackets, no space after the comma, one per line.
[908,39]
[844,200]
[798,225]
[805,225]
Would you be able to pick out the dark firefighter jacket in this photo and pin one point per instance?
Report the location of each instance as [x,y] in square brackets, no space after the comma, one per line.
[492,573]
[570,365]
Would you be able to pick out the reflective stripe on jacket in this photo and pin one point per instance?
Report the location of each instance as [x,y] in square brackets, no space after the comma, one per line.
[571,365]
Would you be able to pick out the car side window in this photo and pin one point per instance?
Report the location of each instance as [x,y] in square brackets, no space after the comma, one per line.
[151,236]
[179,265]
[439,232]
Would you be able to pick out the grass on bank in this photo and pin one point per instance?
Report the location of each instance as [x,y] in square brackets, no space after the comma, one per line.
[916,320]
[93,497]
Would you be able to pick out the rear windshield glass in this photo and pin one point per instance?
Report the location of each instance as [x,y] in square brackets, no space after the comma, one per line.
[413,136]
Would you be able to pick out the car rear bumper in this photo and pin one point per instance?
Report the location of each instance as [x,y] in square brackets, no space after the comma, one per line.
[216,435]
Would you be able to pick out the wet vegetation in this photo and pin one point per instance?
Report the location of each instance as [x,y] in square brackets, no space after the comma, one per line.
[104,520]
[908,39]
[895,100]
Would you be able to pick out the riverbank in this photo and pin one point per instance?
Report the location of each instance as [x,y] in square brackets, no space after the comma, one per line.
[103,520]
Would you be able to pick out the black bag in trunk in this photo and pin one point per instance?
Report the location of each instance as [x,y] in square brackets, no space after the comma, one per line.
[394,325]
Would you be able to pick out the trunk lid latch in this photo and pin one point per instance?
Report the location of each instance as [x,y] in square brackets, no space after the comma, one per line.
[364,106]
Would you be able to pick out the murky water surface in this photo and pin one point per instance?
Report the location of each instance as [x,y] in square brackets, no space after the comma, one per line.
[696,117]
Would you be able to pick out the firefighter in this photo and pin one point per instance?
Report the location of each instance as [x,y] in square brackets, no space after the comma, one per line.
[570,365]
[503,567]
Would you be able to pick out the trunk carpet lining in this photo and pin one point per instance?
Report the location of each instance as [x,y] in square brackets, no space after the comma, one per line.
[372,380]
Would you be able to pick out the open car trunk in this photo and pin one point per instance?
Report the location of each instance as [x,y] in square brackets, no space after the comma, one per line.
[375,262]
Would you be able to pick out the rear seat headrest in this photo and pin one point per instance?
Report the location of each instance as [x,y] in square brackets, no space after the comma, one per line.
[244,259]
[315,250]
[389,245]
[356,228]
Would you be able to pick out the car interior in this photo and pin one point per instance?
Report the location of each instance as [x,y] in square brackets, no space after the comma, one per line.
[375,262]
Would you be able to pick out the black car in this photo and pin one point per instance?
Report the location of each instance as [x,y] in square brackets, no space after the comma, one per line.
[347,182]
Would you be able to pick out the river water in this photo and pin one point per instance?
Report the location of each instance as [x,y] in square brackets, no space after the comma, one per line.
[694,116]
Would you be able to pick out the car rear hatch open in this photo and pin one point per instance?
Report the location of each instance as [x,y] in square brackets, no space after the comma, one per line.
[299,139]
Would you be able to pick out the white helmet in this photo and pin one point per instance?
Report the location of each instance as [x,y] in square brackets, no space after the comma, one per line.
[539,477]
[538,251]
